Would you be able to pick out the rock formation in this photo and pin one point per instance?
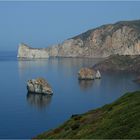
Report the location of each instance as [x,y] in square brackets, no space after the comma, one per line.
[39,85]
[25,51]
[98,75]
[88,74]
[121,38]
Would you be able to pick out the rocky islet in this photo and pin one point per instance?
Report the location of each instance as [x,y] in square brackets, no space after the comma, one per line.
[39,86]
[88,74]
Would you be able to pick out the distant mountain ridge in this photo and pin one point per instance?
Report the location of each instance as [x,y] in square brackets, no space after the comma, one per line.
[121,38]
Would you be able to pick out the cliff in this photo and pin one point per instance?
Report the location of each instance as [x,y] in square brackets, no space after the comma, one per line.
[119,120]
[126,63]
[24,51]
[121,38]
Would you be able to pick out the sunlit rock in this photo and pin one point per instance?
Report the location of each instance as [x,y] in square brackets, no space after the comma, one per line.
[86,74]
[40,86]
[24,51]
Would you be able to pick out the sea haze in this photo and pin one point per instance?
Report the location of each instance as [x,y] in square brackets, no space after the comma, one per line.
[25,115]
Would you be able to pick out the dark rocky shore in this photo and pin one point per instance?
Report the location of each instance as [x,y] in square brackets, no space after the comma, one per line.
[125,63]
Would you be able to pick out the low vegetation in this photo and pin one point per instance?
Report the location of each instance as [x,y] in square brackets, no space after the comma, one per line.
[119,120]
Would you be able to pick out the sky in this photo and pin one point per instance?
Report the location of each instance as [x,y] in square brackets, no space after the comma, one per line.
[41,24]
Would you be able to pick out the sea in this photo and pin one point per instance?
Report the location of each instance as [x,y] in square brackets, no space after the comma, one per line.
[24,115]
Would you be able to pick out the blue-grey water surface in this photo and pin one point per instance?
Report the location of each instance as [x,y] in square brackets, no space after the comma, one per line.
[25,115]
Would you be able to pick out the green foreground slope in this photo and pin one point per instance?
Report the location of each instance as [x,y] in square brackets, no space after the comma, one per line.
[120,120]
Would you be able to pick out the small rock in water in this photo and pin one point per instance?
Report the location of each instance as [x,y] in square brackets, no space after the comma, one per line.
[98,74]
[39,85]
[88,74]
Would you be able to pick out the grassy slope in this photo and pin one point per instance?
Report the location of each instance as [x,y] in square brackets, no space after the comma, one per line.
[120,119]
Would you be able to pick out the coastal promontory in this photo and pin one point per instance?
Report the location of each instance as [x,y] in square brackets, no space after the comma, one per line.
[24,51]
[121,38]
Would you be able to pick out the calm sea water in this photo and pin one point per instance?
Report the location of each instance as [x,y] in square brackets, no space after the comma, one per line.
[25,115]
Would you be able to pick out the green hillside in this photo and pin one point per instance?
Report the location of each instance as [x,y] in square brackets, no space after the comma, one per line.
[119,120]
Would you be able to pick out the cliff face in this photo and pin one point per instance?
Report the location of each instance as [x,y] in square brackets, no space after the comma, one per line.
[69,48]
[121,38]
[25,51]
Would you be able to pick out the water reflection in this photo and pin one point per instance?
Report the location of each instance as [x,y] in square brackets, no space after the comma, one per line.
[73,62]
[97,83]
[57,64]
[39,100]
[88,84]
[27,66]
[85,84]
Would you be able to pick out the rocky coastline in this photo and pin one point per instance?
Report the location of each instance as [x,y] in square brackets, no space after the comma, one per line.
[123,63]
[121,38]
[119,43]
[24,51]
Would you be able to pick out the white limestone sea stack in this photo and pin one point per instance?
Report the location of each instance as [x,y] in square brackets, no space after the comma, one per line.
[24,51]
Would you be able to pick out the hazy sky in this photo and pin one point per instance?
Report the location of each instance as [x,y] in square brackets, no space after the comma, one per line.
[40,24]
